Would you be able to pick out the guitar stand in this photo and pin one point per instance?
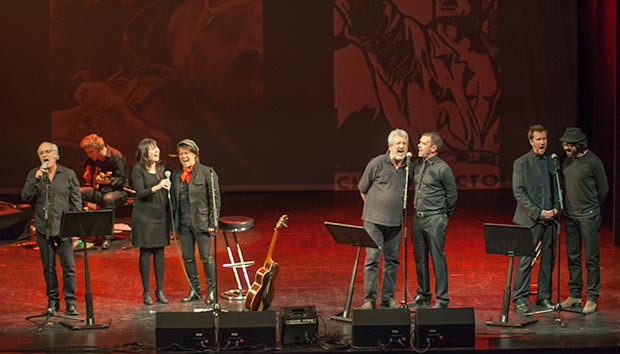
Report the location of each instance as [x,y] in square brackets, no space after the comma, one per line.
[236,224]
[355,236]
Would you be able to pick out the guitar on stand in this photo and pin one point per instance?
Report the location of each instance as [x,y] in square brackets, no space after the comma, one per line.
[261,293]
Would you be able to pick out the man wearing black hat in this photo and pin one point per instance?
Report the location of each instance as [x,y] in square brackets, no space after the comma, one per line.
[586,189]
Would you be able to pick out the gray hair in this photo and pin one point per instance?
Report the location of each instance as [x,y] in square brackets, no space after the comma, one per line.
[397,132]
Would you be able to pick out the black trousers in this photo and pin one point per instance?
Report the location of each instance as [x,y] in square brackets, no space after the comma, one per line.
[429,234]
[48,247]
[521,286]
[584,229]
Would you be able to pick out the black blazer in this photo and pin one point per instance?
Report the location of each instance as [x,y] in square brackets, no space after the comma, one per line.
[527,188]
[202,187]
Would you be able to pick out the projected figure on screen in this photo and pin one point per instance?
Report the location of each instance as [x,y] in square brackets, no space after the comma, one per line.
[436,76]
[198,63]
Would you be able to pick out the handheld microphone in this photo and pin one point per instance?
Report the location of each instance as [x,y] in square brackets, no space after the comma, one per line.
[44,166]
[167,174]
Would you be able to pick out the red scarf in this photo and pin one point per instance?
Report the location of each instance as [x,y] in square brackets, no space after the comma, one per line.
[186,175]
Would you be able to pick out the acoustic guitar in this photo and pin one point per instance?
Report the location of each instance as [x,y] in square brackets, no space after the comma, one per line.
[261,293]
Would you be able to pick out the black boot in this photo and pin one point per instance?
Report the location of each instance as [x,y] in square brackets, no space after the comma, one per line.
[210,273]
[193,295]
[161,298]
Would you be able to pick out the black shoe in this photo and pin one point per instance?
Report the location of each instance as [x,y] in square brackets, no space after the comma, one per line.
[390,304]
[420,302]
[161,298]
[54,306]
[148,300]
[521,307]
[440,305]
[192,296]
[106,245]
[72,310]
[545,304]
[210,300]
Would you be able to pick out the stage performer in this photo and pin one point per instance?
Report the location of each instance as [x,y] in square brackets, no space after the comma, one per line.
[196,206]
[434,201]
[586,188]
[150,218]
[105,174]
[382,186]
[53,189]
[537,208]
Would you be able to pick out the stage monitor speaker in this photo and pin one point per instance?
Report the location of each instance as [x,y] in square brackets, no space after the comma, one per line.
[298,325]
[247,330]
[381,328]
[449,327]
[184,331]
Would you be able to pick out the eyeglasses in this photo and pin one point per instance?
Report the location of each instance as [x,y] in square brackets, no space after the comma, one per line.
[43,152]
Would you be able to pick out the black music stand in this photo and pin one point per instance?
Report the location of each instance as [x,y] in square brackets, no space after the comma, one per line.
[355,236]
[509,240]
[81,224]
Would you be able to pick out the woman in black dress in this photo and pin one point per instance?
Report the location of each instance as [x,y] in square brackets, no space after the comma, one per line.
[150,222]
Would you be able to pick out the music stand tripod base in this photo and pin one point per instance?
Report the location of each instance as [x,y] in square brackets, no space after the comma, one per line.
[90,325]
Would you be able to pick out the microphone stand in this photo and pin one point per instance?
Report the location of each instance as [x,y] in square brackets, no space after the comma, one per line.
[558,189]
[216,305]
[403,230]
[50,255]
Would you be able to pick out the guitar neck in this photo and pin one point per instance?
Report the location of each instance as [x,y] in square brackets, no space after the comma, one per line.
[272,246]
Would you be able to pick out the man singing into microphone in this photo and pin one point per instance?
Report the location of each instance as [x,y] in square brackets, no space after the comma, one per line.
[382,188]
[537,207]
[53,189]
[586,190]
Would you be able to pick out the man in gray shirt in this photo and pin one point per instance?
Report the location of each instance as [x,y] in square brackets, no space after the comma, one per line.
[434,200]
[586,189]
[382,188]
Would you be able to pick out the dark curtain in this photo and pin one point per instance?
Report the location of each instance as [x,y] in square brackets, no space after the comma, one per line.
[598,92]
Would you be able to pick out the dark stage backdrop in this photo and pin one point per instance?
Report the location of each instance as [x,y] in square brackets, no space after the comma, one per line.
[288,95]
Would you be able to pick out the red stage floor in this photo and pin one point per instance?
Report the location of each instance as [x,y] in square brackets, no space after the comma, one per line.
[315,270]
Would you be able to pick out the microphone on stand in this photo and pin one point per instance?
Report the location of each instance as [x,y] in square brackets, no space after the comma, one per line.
[556,162]
[408,156]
